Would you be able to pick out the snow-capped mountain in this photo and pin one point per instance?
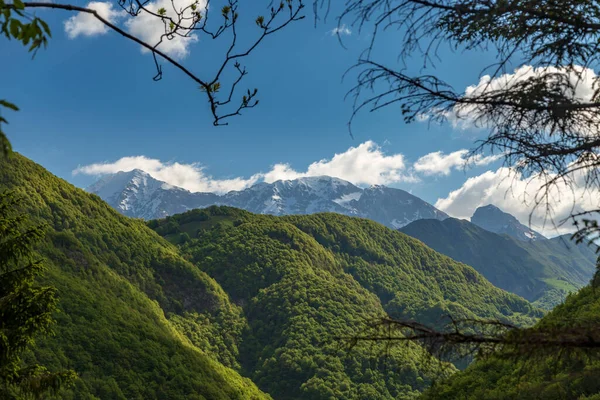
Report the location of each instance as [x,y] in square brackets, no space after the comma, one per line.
[137,194]
[298,196]
[492,219]
[395,207]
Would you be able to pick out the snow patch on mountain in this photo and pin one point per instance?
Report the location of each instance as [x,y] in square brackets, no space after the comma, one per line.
[137,194]
[347,198]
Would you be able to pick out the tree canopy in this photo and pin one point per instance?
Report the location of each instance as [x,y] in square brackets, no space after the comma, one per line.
[26,309]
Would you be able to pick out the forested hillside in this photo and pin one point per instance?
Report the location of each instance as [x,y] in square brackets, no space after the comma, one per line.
[542,271]
[299,304]
[411,280]
[118,282]
[559,373]
[304,280]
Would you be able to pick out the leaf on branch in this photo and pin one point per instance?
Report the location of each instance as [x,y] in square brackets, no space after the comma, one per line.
[15,27]
[46,27]
[10,105]
[18,4]
[225,11]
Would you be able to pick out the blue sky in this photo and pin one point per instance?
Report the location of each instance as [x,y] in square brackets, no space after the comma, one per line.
[91,99]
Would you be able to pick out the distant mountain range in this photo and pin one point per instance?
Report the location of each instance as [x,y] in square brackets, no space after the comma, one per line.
[543,271]
[137,194]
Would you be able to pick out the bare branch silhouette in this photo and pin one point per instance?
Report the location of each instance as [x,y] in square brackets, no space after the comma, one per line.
[193,18]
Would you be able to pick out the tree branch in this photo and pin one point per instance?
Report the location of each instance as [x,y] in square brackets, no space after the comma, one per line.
[210,87]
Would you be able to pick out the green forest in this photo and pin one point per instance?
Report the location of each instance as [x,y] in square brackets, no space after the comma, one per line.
[543,272]
[221,303]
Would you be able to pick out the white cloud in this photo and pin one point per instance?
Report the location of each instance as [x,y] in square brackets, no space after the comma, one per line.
[365,164]
[149,28]
[438,163]
[504,187]
[85,24]
[517,195]
[342,30]
[282,172]
[188,176]
[464,116]
[144,26]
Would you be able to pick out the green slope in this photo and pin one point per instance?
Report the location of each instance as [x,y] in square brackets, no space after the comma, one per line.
[412,280]
[302,281]
[120,284]
[297,301]
[544,377]
[542,271]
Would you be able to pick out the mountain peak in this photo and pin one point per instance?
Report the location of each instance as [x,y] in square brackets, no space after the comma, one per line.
[135,171]
[131,174]
[495,220]
[136,193]
[111,186]
[139,172]
[490,207]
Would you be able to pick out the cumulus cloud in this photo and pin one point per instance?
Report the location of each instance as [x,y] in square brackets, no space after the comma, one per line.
[85,24]
[582,84]
[342,30]
[517,195]
[188,176]
[365,164]
[149,28]
[144,26]
[438,163]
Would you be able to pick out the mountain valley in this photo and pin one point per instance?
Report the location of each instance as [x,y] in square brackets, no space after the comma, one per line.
[239,305]
[222,303]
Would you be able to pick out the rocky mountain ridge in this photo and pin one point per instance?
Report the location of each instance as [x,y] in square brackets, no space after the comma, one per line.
[137,194]
[493,219]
